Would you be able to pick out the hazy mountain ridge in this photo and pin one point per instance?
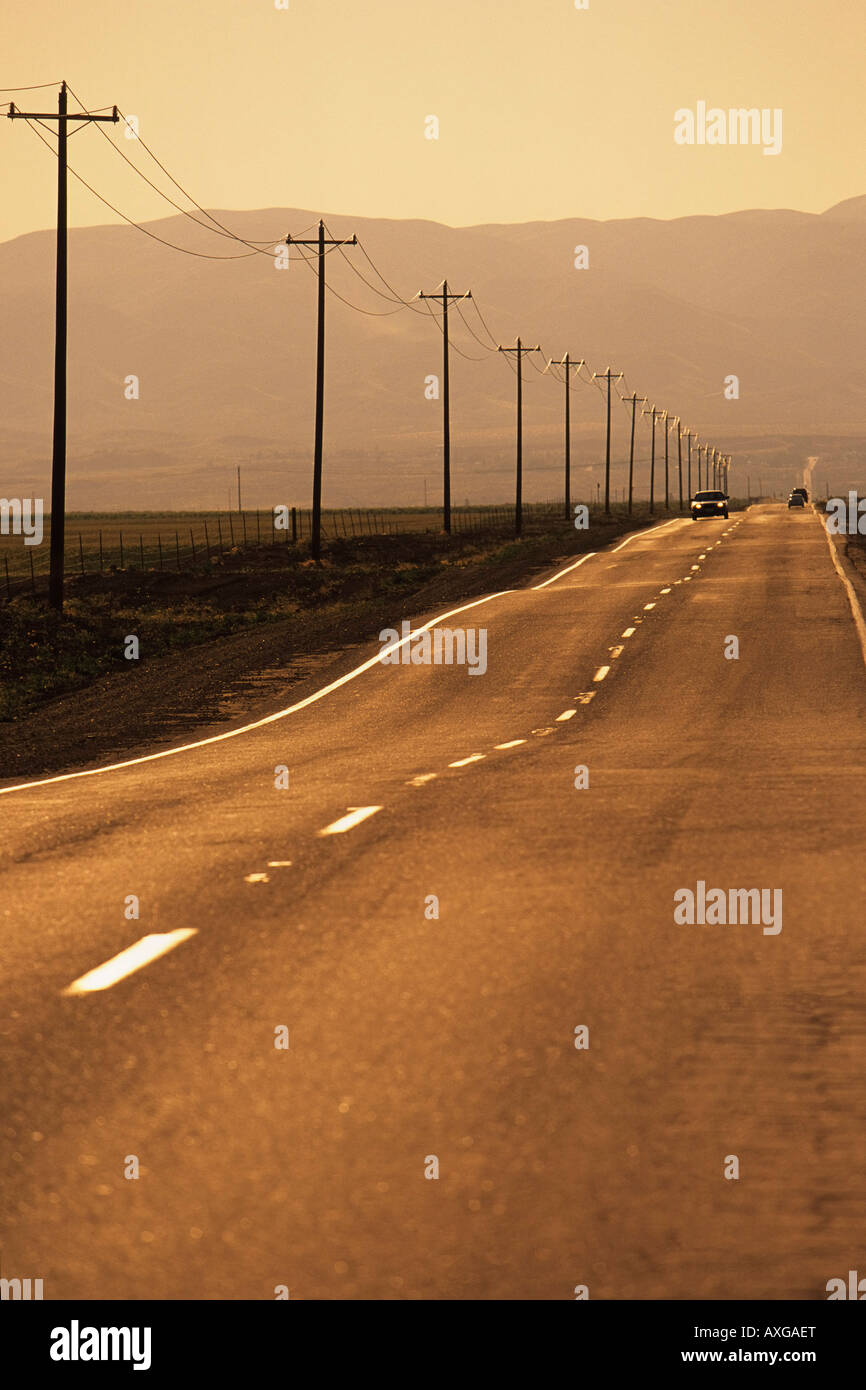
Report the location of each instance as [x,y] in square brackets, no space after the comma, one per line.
[225,351]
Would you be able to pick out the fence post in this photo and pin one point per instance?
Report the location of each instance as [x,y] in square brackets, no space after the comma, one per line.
[258,528]
[177,548]
[244,521]
[231,530]
[192,543]
[159,544]
[220,533]
[141,549]
[121,550]
[81,551]
[207,540]
[101,566]
[294,524]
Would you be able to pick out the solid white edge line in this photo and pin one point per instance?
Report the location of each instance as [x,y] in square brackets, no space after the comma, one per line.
[568,570]
[258,723]
[637,534]
[856,610]
[142,953]
[350,820]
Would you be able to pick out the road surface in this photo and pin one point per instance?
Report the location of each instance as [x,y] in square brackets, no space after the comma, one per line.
[414,1038]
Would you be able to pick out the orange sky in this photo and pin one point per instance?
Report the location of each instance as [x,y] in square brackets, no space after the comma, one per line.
[545,111]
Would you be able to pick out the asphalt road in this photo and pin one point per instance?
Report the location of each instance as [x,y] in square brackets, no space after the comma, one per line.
[412,1036]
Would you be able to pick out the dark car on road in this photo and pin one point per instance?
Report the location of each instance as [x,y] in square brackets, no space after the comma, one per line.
[710,503]
[796,500]
[800,492]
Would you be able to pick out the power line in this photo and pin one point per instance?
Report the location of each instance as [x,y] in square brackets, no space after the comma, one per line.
[205,255]
[38,87]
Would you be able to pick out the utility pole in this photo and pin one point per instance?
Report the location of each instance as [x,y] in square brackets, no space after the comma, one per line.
[679,425]
[520,350]
[656,414]
[58,457]
[608,376]
[444,296]
[689,438]
[667,491]
[701,447]
[320,243]
[634,398]
[567,363]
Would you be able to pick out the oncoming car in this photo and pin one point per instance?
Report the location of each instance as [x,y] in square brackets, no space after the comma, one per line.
[709,504]
[796,500]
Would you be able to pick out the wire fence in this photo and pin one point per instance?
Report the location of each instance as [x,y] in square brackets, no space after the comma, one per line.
[96,546]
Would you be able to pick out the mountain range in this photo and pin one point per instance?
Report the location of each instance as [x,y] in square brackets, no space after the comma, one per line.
[224,353]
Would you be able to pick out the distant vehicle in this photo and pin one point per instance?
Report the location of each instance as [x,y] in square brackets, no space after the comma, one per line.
[800,492]
[709,504]
[796,500]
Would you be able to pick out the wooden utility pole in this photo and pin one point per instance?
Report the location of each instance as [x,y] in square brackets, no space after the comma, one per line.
[521,351]
[608,376]
[567,363]
[58,458]
[656,414]
[689,437]
[667,490]
[445,295]
[634,398]
[320,242]
[679,424]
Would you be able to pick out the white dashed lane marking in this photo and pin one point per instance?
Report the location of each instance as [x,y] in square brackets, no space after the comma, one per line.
[566,714]
[473,758]
[356,815]
[421,779]
[257,878]
[148,949]
[629,632]
[601,673]
[512,743]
